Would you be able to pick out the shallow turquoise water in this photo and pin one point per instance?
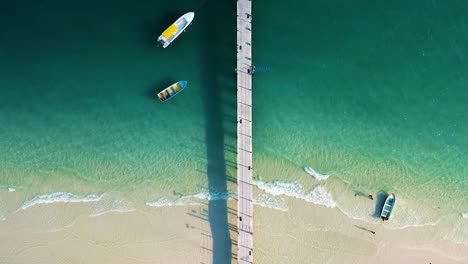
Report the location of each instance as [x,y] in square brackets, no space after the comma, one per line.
[372,93]
[78,89]
[369,92]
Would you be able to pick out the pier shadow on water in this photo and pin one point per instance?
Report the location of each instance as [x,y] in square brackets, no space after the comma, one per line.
[216,23]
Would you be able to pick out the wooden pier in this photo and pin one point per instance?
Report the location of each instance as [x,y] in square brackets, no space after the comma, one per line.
[244,132]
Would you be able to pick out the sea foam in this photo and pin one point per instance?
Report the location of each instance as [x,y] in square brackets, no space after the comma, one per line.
[168,202]
[465,215]
[318,195]
[60,197]
[120,206]
[272,202]
[205,195]
[160,203]
[315,174]
[191,199]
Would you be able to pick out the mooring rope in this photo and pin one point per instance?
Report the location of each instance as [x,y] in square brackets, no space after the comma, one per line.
[200,5]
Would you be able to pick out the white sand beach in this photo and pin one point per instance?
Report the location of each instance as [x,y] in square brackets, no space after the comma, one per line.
[305,233]
[315,234]
[179,234]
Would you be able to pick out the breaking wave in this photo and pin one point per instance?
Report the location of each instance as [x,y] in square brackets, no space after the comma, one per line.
[60,197]
[191,199]
[272,202]
[205,195]
[318,195]
[315,174]
[120,206]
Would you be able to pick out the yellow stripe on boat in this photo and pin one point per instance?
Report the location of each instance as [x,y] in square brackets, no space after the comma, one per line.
[171,30]
[160,96]
[177,87]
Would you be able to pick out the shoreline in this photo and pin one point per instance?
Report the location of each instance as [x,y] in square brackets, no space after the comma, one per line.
[276,181]
[336,238]
[174,234]
[275,195]
[305,233]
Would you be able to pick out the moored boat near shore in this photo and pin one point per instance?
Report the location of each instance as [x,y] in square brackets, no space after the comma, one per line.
[388,207]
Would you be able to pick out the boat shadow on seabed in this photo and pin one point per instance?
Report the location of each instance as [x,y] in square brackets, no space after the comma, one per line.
[379,203]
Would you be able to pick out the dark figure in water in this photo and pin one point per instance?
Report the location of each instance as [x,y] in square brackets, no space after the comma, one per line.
[370,197]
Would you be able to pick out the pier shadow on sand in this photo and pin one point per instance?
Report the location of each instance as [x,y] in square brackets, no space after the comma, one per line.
[216,21]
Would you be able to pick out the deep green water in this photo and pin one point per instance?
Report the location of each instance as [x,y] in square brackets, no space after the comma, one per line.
[78,94]
[373,93]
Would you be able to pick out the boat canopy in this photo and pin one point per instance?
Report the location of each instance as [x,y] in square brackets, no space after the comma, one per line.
[171,30]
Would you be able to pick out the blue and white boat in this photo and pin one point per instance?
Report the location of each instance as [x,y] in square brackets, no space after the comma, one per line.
[172,91]
[388,207]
